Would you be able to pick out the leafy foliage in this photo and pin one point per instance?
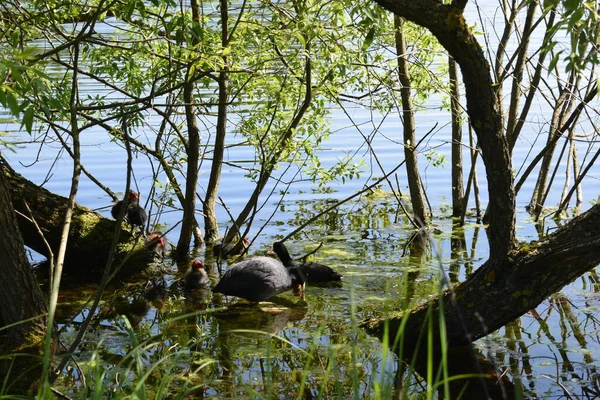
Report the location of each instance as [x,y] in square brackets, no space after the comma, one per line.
[579,20]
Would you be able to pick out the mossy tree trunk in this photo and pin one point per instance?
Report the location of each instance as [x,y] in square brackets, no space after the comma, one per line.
[89,237]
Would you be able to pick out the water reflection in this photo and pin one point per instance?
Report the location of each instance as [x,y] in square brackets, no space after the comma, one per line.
[227,347]
[249,319]
[136,304]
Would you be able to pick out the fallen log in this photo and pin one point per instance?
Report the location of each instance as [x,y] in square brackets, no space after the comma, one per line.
[89,238]
[498,293]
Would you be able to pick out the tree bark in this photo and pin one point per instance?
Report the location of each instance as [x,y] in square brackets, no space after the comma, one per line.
[192,150]
[534,82]
[89,238]
[458,191]
[421,212]
[211,229]
[529,275]
[448,25]
[517,83]
[21,303]
[562,107]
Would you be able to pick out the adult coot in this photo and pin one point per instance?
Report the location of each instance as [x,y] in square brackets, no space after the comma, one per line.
[311,272]
[196,276]
[258,279]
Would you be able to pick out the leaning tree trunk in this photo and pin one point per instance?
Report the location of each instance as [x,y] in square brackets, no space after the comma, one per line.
[417,195]
[211,229]
[286,137]
[90,235]
[498,293]
[512,281]
[22,305]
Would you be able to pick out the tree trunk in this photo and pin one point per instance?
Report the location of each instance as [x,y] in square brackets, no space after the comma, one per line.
[20,300]
[458,191]
[188,221]
[90,235]
[448,25]
[517,83]
[211,229]
[192,151]
[563,102]
[421,212]
[529,275]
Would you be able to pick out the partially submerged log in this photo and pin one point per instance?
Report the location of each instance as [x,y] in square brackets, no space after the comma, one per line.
[90,236]
[499,293]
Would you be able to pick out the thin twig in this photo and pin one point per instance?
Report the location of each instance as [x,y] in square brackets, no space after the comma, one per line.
[48,247]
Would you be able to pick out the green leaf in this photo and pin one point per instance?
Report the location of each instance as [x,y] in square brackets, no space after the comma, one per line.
[12,104]
[27,54]
[571,5]
[554,61]
[368,38]
[28,119]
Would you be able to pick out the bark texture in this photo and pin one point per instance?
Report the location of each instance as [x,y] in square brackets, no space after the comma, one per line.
[21,299]
[529,275]
[188,222]
[417,194]
[458,191]
[211,229]
[90,235]
[448,25]
[193,147]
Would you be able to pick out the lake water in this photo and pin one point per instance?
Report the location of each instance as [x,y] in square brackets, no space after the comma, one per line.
[364,240]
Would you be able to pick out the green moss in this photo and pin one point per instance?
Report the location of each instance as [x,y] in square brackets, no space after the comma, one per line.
[33,343]
[455,20]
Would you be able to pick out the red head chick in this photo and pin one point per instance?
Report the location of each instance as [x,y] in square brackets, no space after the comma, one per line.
[197,265]
[156,243]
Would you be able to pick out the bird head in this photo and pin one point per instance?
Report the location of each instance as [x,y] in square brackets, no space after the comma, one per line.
[197,265]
